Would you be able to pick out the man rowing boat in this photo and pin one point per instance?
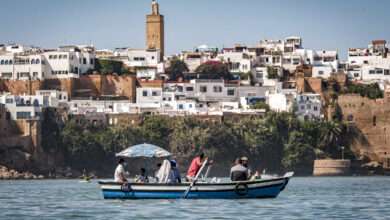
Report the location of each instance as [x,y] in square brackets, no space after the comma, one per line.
[195,166]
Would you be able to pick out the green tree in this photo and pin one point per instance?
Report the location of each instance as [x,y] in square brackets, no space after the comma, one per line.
[214,70]
[261,105]
[298,154]
[331,133]
[272,72]
[110,66]
[371,91]
[177,68]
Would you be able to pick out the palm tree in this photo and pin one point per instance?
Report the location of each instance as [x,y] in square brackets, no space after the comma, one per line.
[330,135]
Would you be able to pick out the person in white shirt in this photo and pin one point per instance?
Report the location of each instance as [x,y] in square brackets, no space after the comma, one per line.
[119,175]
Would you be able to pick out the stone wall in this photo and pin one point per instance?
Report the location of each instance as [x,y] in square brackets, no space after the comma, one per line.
[331,167]
[309,85]
[85,86]
[20,87]
[368,124]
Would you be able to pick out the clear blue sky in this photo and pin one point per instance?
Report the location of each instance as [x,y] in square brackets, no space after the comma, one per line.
[330,24]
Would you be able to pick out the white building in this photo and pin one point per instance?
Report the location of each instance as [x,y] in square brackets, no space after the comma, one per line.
[21,63]
[87,106]
[146,63]
[309,106]
[194,59]
[369,64]
[261,75]
[30,106]
[239,59]
[149,96]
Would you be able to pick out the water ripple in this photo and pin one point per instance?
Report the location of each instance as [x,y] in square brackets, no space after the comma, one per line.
[304,198]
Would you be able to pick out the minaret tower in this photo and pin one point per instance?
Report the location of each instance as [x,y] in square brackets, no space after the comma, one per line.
[155,29]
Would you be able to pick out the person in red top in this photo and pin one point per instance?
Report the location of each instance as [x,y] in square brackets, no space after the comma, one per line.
[195,166]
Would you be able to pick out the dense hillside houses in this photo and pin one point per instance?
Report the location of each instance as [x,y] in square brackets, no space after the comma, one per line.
[273,75]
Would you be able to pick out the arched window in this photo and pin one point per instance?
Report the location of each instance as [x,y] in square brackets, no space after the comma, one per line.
[32,61]
[2,62]
[37,61]
[6,62]
[10,62]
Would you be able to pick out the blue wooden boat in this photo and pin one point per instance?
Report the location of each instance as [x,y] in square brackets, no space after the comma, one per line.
[263,188]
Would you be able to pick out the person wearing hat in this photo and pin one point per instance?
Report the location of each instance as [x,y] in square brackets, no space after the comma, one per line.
[238,172]
[245,164]
[119,175]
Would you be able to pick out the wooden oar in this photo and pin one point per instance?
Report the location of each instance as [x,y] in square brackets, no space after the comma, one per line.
[194,180]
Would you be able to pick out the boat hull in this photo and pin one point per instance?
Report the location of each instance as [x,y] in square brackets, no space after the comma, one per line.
[233,190]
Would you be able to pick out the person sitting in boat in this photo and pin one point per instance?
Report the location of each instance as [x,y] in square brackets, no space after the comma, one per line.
[174,175]
[164,171]
[238,172]
[156,172]
[195,166]
[142,178]
[245,164]
[119,175]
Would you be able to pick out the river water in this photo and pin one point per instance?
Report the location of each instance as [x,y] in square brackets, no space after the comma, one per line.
[304,198]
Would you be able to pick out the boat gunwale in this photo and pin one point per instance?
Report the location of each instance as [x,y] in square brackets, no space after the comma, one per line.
[195,190]
[247,182]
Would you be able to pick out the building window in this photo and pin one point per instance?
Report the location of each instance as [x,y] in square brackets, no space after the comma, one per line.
[203,89]
[387,72]
[144,93]
[181,106]
[155,93]
[321,72]
[371,72]
[315,108]
[2,62]
[6,62]
[32,61]
[230,92]
[23,115]
[374,121]
[84,61]
[189,89]
[65,56]
[217,89]
[91,61]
